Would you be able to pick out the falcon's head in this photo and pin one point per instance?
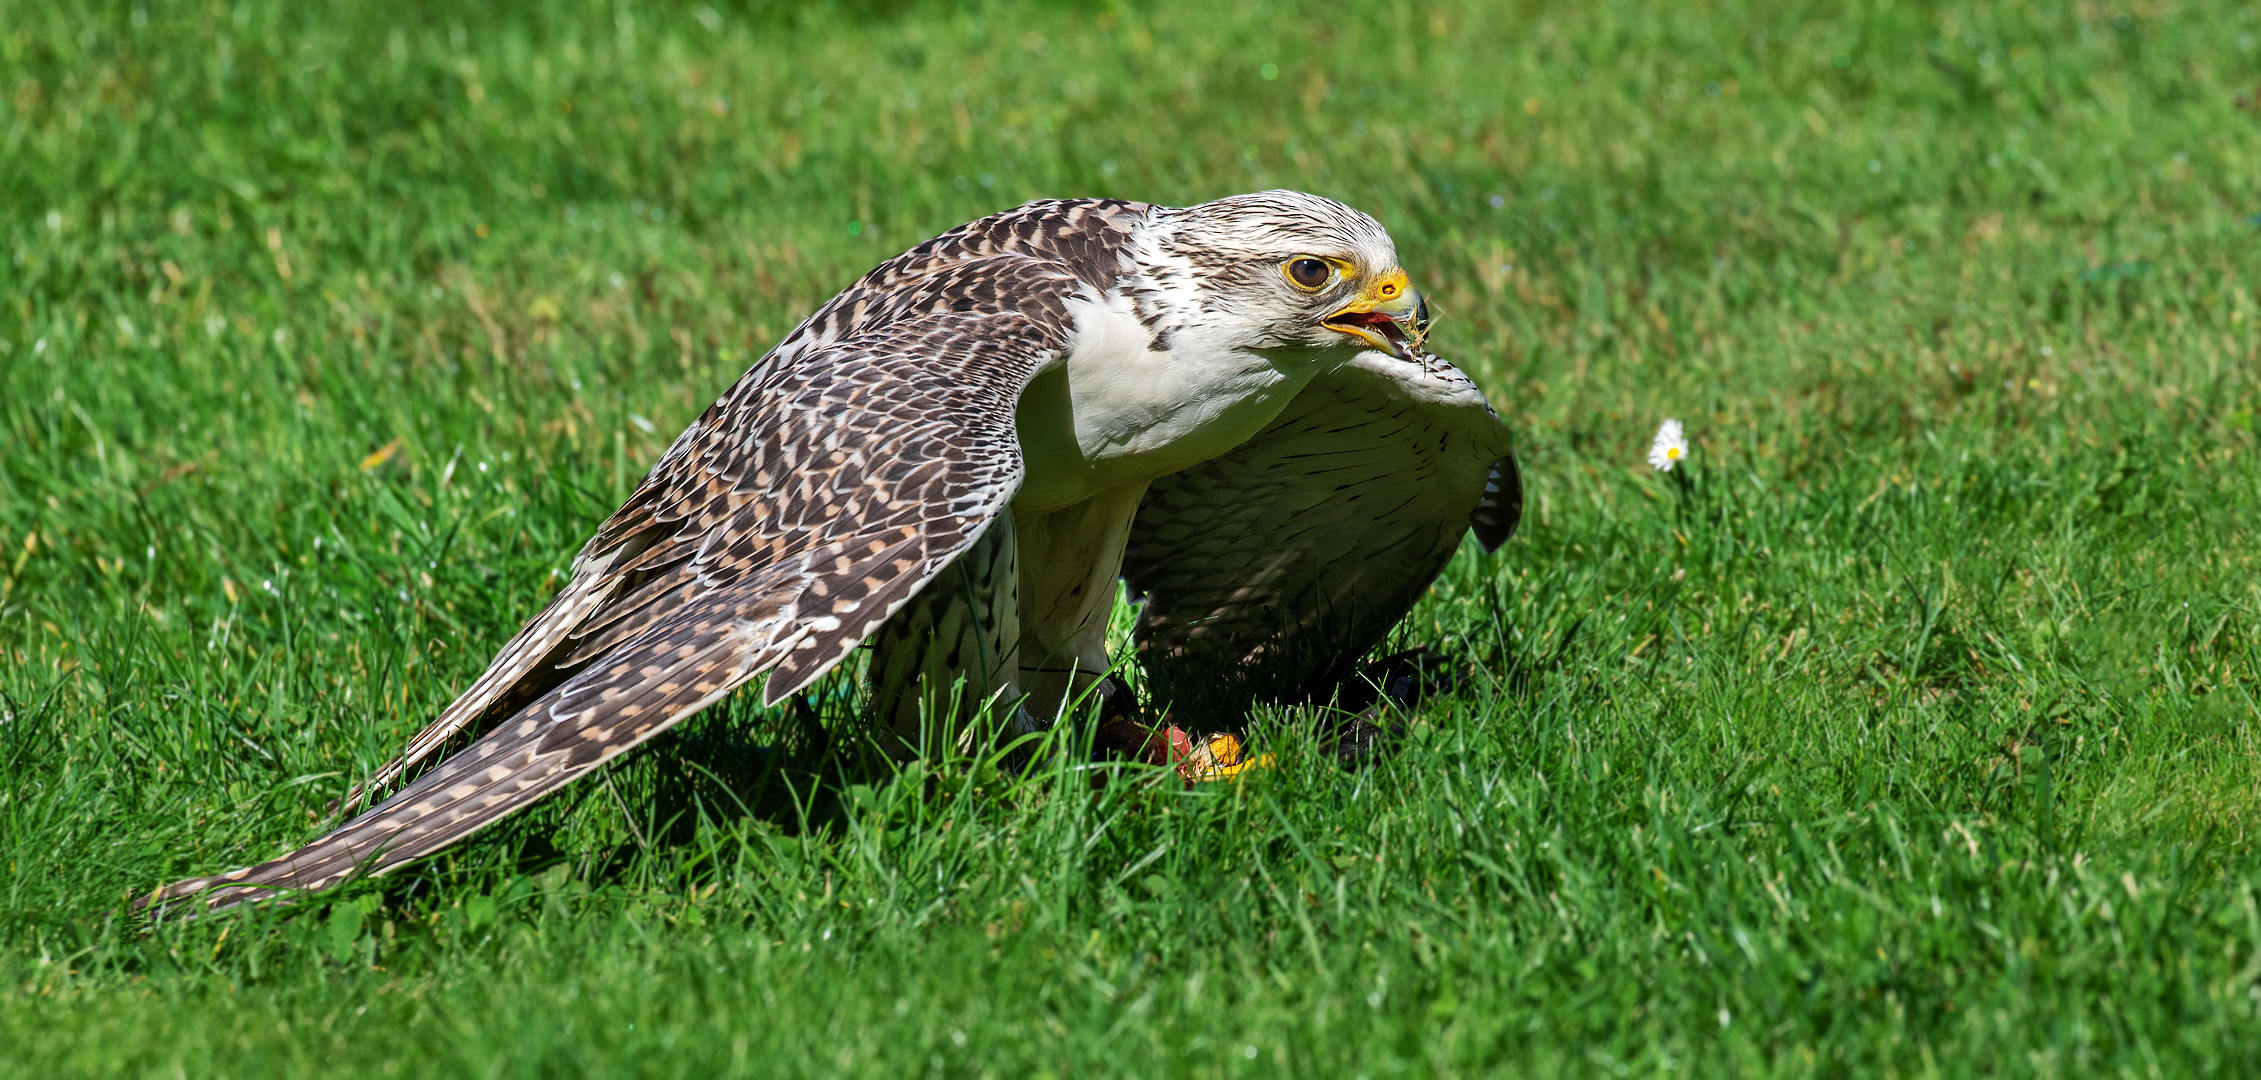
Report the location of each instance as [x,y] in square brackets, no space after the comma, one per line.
[1283,269]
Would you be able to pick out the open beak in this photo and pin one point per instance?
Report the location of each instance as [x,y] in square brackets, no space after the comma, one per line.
[1389,316]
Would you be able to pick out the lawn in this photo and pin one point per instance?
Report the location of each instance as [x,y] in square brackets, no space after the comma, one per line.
[1911,729]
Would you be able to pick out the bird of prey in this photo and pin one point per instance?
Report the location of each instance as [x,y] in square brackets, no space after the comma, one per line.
[1227,405]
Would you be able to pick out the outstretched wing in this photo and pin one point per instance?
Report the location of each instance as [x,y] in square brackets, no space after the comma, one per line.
[1268,572]
[792,520]
[824,489]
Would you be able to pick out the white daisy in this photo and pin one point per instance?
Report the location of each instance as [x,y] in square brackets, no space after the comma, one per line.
[1670,447]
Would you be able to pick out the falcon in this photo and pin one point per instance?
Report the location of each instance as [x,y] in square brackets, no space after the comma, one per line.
[1226,406]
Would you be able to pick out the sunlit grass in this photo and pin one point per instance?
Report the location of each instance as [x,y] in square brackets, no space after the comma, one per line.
[1916,732]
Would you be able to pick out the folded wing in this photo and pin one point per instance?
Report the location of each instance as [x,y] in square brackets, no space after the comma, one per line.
[1269,572]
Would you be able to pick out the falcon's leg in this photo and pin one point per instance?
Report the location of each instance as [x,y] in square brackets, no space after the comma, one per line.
[941,660]
[1070,559]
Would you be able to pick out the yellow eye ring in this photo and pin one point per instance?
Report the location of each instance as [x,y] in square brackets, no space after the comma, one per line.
[1307,273]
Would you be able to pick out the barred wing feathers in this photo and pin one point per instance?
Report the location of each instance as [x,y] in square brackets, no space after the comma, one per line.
[643,562]
[786,585]
[800,511]
[1268,572]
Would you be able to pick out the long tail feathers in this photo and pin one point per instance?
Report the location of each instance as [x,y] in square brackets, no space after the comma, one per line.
[545,745]
[671,669]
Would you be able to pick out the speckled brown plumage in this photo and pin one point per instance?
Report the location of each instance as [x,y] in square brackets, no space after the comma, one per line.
[788,522]
[1316,492]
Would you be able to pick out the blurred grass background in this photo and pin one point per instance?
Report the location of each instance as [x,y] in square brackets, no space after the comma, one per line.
[1918,736]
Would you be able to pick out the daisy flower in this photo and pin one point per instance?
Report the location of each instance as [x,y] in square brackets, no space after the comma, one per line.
[1670,447]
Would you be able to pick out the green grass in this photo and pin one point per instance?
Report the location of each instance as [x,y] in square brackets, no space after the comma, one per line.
[1918,735]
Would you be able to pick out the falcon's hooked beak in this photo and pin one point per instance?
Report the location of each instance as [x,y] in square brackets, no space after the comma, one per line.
[1389,315]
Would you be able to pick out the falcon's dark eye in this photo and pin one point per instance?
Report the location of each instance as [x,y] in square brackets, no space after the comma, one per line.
[1309,273]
